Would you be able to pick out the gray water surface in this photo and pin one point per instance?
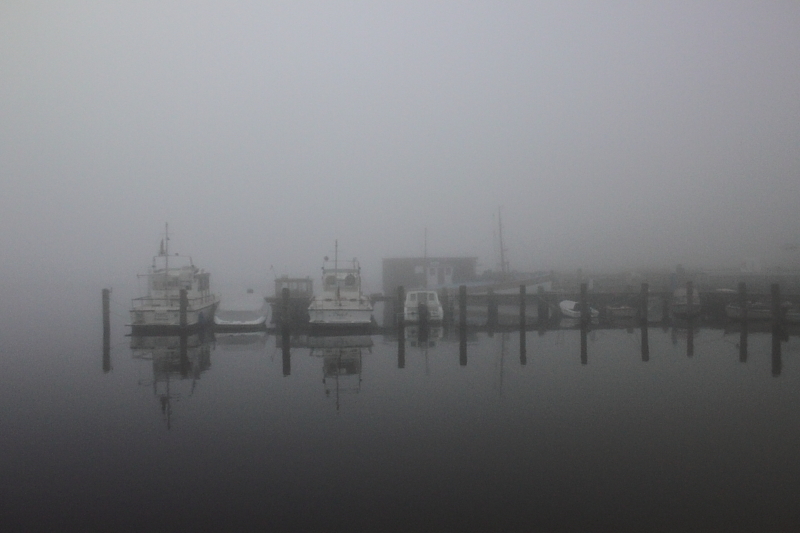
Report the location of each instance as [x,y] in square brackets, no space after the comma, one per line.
[232,437]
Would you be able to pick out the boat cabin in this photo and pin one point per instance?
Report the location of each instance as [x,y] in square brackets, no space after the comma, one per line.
[422,305]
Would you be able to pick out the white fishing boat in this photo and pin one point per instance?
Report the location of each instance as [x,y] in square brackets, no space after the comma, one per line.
[167,278]
[572,309]
[341,303]
[422,306]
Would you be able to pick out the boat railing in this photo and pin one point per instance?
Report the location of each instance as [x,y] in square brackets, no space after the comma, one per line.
[174,301]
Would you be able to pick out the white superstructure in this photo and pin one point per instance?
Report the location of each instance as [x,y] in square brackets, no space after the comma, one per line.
[341,302]
[419,302]
[161,307]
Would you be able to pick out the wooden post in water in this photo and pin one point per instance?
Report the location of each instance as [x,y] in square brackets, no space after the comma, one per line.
[543,309]
[184,304]
[462,320]
[643,307]
[106,330]
[743,299]
[286,317]
[399,308]
[462,307]
[584,305]
[523,359]
[183,354]
[286,352]
[584,343]
[401,348]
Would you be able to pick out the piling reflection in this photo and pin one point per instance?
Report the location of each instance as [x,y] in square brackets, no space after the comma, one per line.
[645,342]
[177,364]
[777,336]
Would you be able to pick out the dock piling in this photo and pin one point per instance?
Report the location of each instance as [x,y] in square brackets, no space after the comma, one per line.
[184,304]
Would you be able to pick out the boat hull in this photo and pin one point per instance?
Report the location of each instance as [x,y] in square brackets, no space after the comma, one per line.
[166,317]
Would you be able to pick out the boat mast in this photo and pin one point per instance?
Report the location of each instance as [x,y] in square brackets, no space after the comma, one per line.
[425,257]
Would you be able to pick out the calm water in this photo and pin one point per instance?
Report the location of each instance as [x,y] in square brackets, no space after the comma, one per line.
[340,437]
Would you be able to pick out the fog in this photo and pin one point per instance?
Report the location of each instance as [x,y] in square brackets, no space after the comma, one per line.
[612,134]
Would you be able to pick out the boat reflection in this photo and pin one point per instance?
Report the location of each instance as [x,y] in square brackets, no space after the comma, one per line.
[423,337]
[177,363]
[341,362]
[242,341]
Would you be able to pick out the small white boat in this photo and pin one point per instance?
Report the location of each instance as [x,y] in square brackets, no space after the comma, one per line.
[422,306]
[246,310]
[168,276]
[341,303]
[572,309]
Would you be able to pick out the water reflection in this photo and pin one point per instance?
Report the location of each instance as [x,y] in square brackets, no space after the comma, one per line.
[341,362]
[177,363]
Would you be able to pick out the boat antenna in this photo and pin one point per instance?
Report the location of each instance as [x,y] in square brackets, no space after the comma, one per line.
[425,257]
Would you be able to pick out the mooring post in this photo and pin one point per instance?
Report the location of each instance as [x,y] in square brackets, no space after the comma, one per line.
[400,308]
[106,330]
[645,297]
[584,343]
[286,318]
[462,306]
[584,305]
[184,304]
[286,351]
[183,354]
[401,348]
[106,311]
[523,359]
[543,308]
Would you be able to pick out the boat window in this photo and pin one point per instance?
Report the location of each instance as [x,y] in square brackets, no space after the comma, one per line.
[412,297]
[330,281]
[432,297]
[350,281]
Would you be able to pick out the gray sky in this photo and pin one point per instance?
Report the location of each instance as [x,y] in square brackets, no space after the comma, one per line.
[613,134]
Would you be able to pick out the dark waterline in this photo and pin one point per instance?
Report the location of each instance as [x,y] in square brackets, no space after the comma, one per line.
[469,437]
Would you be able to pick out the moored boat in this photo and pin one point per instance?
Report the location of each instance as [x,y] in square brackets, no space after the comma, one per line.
[757,311]
[246,311]
[341,303]
[422,306]
[167,279]
[572,309]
